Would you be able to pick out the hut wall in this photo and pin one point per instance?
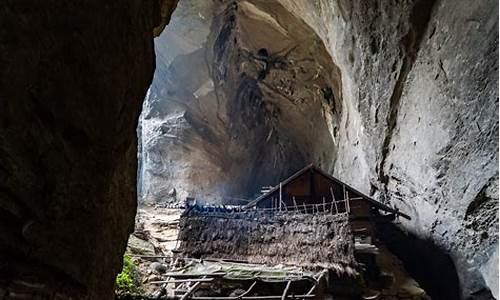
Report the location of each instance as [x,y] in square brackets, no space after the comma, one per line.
[297,239]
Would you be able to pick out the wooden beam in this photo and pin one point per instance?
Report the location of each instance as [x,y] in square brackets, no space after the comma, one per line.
[285,291]
[184,275]
[334,201]
[347,202]
[249,290]
[183,280]
[281,194]
[318,280]
[191,291]
[312,289]
[284,206]
[255,297]
[343,189]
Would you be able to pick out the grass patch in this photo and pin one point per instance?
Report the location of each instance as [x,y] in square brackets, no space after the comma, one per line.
[129,279]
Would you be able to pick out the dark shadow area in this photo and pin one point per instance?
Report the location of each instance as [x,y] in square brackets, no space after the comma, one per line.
[427,263]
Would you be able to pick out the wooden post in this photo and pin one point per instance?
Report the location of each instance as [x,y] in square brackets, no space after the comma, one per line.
[249,290]
[345,203]
[285,208]
[348,204]
[334,201]
[324,204]
[191,290]
[285,292]
[295,204]
[281,197]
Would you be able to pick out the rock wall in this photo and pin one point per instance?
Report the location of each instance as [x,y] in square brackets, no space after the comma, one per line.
[72,81]
[420,117]
[321,241]
[407,110]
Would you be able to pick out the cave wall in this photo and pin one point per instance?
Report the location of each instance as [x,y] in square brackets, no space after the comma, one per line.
[420,117]
[413,120]
[72,81]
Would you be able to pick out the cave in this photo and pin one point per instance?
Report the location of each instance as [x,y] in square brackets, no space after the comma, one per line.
[235,90]
[110,105]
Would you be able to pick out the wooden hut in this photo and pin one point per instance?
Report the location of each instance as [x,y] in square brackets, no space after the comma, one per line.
[310,220]
[312,190]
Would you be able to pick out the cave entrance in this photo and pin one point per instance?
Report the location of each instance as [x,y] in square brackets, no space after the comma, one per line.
[238,89]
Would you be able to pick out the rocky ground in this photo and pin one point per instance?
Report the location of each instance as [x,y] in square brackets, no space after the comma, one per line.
[155,236]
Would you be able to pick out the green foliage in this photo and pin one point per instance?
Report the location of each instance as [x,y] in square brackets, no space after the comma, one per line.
[129,279]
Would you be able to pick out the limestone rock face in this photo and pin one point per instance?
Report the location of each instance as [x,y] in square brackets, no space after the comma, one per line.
[240,99]
[72,81]
[420,121]
[398,98]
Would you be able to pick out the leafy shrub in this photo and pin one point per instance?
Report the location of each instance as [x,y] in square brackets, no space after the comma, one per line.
[129,279]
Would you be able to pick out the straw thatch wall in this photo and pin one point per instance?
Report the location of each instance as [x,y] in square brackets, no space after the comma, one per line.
[321,240]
